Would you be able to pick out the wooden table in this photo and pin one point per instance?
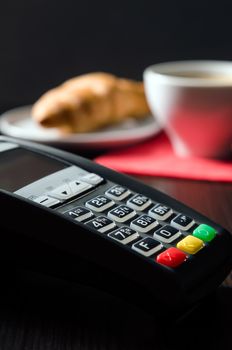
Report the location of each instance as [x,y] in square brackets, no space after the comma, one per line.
[37,313]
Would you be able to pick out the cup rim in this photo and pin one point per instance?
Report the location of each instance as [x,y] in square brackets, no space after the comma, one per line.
[162,72]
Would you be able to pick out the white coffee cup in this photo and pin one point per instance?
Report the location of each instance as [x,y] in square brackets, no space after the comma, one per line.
[192,101]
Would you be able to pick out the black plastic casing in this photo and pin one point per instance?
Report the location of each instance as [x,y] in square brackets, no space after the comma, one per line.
[44,240]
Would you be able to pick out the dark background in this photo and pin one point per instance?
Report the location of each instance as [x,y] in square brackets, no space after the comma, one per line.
[43,42]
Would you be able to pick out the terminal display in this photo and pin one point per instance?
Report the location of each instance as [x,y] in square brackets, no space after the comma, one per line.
[20,167]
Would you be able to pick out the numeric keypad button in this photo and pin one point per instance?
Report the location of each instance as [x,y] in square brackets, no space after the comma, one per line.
[147,246]
[117,193]
[139,202]
[160,212]
[101,224]
[121,213]
[182,222]
[124,235]
[144,223]
[167,234]
[79,214]
[99,203]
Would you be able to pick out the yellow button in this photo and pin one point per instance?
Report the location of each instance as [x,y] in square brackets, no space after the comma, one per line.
[190,244]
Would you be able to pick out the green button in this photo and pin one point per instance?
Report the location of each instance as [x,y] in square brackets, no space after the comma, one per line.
[205,232]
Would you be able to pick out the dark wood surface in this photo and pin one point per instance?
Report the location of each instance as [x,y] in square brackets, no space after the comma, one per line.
[37,313]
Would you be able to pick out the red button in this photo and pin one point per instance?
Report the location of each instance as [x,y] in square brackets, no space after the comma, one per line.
[171,257]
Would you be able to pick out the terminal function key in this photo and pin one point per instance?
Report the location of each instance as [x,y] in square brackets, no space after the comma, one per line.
[139,202]
[160,212]
[147,246]
[172,257]
[144,223]
[182,222]
[92,179]
[46,201]
[99,203]
[121,213]
[205,232]
[69,190]
[124,235]
[79,214]
[78,187]
[190,244]
[101,224]
[167,234]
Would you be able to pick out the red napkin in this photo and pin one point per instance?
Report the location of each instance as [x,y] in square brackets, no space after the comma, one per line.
[155,157]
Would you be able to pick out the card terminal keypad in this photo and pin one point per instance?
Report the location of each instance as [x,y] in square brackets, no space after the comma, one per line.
[146,227]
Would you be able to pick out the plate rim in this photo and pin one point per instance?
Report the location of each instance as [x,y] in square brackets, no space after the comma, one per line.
[95,138]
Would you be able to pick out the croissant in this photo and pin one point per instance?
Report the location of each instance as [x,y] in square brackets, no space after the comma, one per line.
[89,102]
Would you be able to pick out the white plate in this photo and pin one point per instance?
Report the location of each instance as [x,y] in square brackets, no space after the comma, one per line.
[18,123]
